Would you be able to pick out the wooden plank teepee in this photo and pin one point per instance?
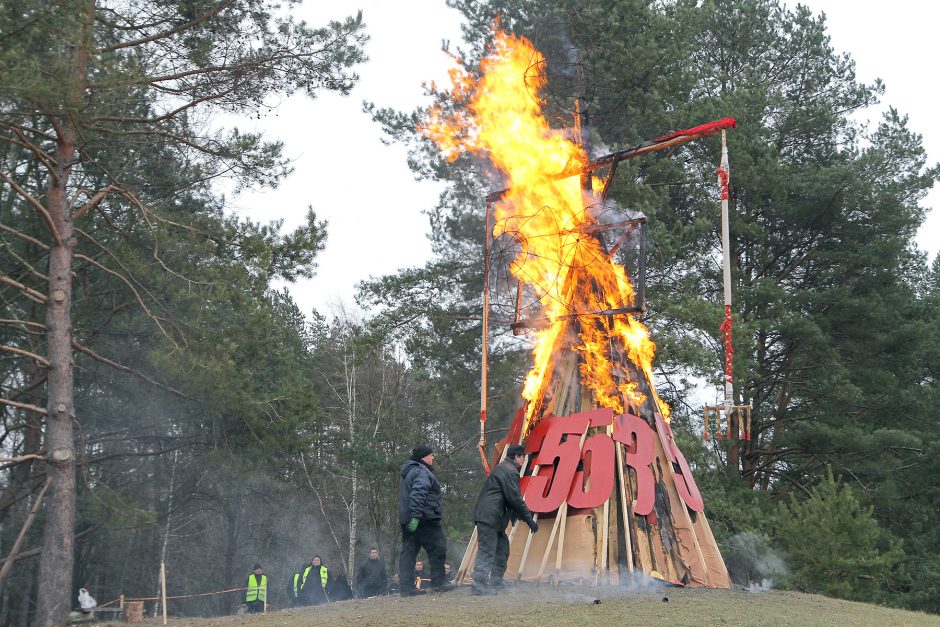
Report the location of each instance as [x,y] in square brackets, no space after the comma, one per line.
[628,501]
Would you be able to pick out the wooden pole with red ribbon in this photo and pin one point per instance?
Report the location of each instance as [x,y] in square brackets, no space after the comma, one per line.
[723,178]
[486,336]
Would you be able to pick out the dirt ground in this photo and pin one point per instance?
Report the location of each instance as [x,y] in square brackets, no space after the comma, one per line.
[528,605]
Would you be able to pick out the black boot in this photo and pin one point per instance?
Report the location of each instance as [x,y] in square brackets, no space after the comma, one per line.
[481,589]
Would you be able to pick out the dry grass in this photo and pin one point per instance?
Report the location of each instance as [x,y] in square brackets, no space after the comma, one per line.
[575,606]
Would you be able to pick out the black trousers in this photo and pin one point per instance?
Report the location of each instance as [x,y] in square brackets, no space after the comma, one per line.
[255,607]
[492,553]
[430,536]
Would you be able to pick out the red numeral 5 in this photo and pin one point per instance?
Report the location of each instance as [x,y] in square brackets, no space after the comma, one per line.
[599,468]
[547,490]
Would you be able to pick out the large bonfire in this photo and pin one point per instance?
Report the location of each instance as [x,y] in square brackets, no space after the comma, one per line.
[560,261]
[614,491]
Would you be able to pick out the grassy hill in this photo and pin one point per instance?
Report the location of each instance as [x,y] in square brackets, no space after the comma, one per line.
[528,605]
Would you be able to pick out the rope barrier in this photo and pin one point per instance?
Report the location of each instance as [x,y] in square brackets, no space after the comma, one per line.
[182,596]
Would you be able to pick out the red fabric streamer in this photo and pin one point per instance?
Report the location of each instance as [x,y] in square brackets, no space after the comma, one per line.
[729,349]
[723,178]
[729,355]
[703,130]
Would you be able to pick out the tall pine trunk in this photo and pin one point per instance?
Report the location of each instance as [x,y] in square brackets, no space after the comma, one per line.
[55,565]
[57,559]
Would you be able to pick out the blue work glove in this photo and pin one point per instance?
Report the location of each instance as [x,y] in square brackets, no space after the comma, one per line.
[412,525]
[534,526]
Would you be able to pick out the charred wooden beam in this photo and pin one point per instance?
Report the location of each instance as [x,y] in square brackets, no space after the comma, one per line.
[542,322]
[669,140]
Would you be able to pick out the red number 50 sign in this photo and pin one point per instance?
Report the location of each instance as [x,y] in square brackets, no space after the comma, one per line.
[561,444]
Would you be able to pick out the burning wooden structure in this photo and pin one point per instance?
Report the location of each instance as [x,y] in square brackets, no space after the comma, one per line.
[613,493]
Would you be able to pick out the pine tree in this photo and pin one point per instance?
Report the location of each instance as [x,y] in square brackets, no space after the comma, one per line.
[87,89]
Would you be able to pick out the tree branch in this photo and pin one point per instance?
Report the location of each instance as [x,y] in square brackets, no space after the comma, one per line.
[249,64]
[169,114]
[26,406]
[11,558]
[25,353]
[182,27]
[126,369]
[29,267]
[36,551]
[25,323]
[36,204]
[29,292]
[126,282]
[41,154]
[19,460]
[93,202]
[23,236]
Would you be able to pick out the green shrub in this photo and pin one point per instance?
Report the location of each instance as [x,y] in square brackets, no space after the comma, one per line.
[834,546]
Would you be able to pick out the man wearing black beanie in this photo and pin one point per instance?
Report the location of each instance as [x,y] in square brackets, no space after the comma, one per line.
[499,503]
[419,513]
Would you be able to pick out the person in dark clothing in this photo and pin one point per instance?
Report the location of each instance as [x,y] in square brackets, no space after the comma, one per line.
[420,575]
[371,579]
[419,513]
[311,583]
[338,589]
[500,502]
[449,574]
[293,586]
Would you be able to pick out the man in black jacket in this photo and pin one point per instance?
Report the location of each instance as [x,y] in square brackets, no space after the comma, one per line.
[371,580]
[419,513]
[499,503]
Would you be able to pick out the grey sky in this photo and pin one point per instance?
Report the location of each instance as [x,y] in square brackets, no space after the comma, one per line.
[369,196]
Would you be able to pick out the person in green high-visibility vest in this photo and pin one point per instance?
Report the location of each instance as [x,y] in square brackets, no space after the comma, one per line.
[257,593]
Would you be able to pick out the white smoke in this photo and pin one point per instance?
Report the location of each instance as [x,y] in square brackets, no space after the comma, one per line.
[751,559]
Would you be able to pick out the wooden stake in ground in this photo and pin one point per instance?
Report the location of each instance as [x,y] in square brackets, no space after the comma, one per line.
[163,589]
[623,504]
[604,564]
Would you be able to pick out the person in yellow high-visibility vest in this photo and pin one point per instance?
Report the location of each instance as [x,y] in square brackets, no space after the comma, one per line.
[311,589]
[257,593]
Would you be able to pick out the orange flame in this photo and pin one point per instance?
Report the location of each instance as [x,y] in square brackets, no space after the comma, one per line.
[499,117]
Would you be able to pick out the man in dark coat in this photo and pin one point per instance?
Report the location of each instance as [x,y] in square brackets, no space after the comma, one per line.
[371,579]
[500,502]
[419,513]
